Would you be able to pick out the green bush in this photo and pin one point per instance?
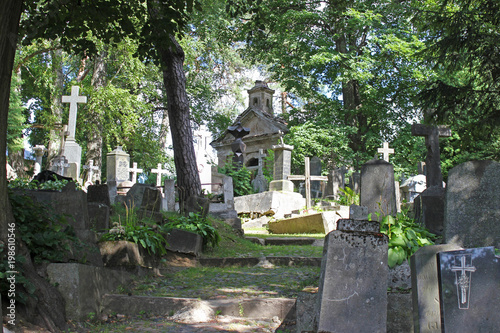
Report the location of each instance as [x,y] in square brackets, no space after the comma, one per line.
[141,232]
[241,178]
[347,197]
[405,237]
[194,223]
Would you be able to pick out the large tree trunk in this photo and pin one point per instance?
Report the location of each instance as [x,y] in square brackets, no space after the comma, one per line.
[188,179]
[172,60]
[10,14]
[54,145]
[94,118]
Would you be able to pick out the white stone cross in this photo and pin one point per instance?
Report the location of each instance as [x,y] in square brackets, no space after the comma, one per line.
[73,101]
[385,150]
[91,167]
[134,171]
[39,151]
[159,172]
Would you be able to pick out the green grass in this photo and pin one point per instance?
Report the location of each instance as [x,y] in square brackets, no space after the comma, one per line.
[232,282]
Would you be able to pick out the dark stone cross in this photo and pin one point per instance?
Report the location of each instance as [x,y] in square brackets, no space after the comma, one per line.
[432,134]
[238,146]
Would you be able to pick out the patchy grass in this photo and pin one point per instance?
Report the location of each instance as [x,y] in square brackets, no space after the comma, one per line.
[229,282]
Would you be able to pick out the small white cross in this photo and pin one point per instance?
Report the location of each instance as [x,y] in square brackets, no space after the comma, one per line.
[91,167]
[73,101]
[386,151]
[159,172]
[134,171]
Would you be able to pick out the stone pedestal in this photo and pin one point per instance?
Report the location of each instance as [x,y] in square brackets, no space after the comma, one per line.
[73,153]
[378,192]
[118,163]
[429,209]
[282,168]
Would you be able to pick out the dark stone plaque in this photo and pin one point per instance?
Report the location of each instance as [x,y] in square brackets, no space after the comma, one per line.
[469,288]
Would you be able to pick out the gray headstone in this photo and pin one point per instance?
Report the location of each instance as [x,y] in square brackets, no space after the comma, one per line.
[198,205]
[282,168]
[429,209]
[118,163]
[377,188]
[355,182]
[425,288]
[98,194]
[169,194]
[315,170]
[472,211]
[98,216]
[151,199]
[469,290]
[358,212]
[135,195]
[353,283]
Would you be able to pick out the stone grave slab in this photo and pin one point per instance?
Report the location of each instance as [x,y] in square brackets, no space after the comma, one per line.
[472,210]
[377,188]
[272,203]
[323,222]
[469,287]
[99,194]
[184,242]
[425,287]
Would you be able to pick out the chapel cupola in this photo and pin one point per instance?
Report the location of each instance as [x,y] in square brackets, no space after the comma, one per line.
[261,97]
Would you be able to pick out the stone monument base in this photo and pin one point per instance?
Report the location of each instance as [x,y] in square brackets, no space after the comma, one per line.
[274,203]
[429,209]
[281,185]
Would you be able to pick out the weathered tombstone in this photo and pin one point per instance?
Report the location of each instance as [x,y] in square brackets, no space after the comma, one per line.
[429,207]
[118,163]
[72,150]
[469,290]
[385,151]
[259,183]
[135,195]
[98,203]
[112,190]
[472,210]
[151,199]
[336,181]
[39,151]
[60,165]
[197,205]
[352,294]
[377,188]
[425,288]
[91,170]
[169,195]
[282,168]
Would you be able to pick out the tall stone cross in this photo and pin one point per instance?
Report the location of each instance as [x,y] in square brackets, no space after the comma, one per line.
[134,171]
[159,171]
[385,151]
[73,101]
[261,164]
[91,167]
[432,134]
[307,178]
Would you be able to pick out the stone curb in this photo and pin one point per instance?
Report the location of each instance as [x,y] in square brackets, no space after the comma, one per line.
[252,308]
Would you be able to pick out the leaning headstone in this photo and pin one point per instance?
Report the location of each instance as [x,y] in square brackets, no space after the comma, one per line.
[472,211]
[425,288]
[469,290]
[151,199]
[377,188]
[135,194]
[352,295]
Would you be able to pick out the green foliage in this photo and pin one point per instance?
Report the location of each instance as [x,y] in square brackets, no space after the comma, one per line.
[347,197]
[141,232]
[194,223]
[405,237]
[16,122]
[241,178]
[54,185]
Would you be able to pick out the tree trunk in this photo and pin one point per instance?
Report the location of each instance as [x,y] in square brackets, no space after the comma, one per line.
[54,145]
[10,14]
[188,179]
[94,118]
[171,59]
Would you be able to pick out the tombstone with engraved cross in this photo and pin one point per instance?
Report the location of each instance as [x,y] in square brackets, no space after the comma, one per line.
[72,150]
[259,183]
[469,287]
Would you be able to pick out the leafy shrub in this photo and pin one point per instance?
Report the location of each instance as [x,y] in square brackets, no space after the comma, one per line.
[141,232]
[241,178]
[55,185]
[405,237]
[194,223]
[348,197]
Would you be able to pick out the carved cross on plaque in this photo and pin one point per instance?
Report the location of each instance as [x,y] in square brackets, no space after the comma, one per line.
[432,134]
[463,280]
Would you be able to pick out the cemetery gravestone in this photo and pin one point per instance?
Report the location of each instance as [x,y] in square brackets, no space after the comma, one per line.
[259,184]
[378,188]
[282,168]
[72,150]
[315,169]
[118,163]
[355,182]
[469,290]
[472,211]
[425,288]
[352,295]
[169,195]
